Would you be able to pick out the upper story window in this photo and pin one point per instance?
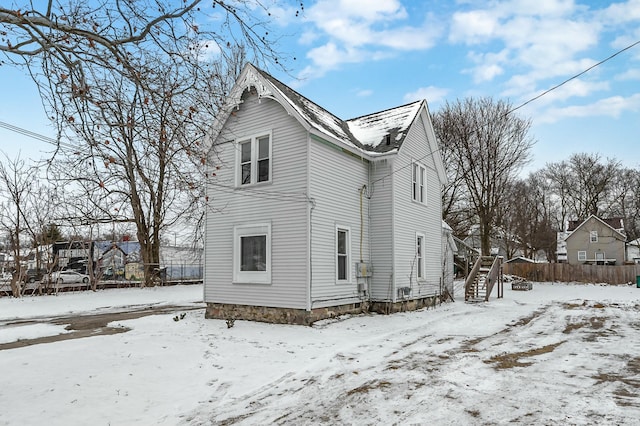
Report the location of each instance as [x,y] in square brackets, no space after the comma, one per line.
[254,165]
[582,255]
[419,183]
[593,236]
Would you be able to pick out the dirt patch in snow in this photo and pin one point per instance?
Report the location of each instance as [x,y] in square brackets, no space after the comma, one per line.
[511,360]
[81,326]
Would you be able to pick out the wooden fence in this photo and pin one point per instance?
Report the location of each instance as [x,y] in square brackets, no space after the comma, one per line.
[563,272]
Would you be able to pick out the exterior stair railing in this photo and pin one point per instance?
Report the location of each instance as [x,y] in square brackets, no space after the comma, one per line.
[485,274]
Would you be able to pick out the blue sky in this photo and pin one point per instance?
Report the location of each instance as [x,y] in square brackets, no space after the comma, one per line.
[355,57]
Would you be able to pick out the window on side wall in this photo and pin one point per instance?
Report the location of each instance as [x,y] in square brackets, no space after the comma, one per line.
[593,236]
[252,254]
[343,254]
[582,256]
[419,259]
[419,183]
[254,160]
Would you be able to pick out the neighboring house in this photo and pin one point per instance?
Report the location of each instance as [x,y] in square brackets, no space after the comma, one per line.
[315,216]
[596,241]
[502,243]
[449,250]
[633,251]
[561,252]
[122,260]
[181,263]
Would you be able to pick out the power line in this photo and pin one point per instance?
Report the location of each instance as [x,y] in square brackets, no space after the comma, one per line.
[37,136]
[574,77]
[525,103]
[28,133]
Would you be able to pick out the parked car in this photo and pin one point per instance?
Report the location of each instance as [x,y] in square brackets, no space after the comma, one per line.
[33,275]
[69,277]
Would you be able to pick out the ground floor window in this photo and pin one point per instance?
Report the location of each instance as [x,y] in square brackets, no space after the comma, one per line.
[252,253]
[419,258]
[582,256]
[343,254]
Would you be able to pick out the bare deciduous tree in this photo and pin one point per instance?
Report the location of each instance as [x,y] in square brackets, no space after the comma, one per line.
[133,85]
[583,182]
[16,182]
[489,146]
[526,218]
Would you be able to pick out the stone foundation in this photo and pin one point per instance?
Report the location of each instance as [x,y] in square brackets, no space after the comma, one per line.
[227,311]
[405,305]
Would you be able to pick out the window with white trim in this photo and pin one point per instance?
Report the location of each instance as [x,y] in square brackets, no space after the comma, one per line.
[343,254]
[419,183]
[593,236]
[252,253]
[254,160]
[582,256]
[600,255]
[420,270]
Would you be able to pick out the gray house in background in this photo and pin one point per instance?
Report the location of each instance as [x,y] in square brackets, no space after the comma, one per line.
[320,216]
[596,241]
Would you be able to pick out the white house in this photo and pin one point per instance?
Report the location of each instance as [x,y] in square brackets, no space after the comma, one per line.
[311,216]
[633,251]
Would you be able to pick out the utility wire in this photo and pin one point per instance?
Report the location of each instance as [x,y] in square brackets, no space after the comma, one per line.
[574,77]
[28,133]
[37,136]
[524,103]
[291,197]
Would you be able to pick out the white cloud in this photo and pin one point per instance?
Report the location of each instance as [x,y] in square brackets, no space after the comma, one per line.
[308,37]
[611,107]
[432,94]
[364,93]
[361,30]
[328,57]
[490,65]
[622,12]
[632,74]
[532,42]
[525,84]
[282,15]
[472,27]
[324,12]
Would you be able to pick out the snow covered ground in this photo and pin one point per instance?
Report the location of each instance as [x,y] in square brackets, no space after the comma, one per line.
[559,354]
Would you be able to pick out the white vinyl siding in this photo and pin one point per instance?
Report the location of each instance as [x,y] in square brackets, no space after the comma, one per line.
[336,182]
[281,203]
[412,218]
[381,232]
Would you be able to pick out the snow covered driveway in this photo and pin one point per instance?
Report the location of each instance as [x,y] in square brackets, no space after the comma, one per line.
[560,354]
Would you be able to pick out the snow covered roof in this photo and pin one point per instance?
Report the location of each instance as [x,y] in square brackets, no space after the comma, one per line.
[376,133]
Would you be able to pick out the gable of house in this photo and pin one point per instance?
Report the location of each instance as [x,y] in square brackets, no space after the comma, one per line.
[594,241]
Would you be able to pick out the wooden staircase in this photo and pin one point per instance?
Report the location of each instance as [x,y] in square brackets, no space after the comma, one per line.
[486,272]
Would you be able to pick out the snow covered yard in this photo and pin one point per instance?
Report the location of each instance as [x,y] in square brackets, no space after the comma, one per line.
[559,354]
